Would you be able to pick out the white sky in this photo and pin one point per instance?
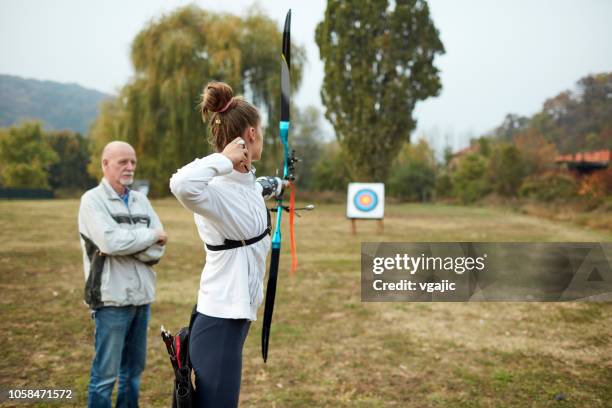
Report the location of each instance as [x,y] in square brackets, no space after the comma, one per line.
[501,56]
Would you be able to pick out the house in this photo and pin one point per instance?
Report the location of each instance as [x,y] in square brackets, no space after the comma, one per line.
[457,156]
[585,162]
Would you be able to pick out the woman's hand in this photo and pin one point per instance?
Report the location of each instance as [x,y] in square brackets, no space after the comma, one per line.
[236,151]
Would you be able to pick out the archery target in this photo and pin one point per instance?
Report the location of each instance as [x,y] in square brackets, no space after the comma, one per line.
[365,200]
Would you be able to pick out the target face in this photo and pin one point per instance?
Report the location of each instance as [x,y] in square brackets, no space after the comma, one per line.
[365,200]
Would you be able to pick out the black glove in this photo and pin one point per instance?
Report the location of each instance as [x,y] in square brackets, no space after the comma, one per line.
[271,186]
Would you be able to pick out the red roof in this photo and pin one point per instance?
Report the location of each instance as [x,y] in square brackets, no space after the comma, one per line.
[597,156]
[466,150]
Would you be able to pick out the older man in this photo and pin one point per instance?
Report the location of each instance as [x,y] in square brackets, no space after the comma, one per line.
[122,237]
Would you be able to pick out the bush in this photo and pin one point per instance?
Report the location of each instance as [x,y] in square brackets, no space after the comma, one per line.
[549,186]
[444,185]
[413,174]
[330,173]
[597,184]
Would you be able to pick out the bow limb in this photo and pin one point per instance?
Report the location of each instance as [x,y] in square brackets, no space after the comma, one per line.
[287,175]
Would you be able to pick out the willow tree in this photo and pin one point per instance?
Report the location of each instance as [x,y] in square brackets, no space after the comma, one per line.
[173,58]
[379,62]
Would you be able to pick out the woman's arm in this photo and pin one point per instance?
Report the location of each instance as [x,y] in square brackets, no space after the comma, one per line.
[271,187]
[190,184]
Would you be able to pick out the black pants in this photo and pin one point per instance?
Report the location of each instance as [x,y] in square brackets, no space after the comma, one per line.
[215,349]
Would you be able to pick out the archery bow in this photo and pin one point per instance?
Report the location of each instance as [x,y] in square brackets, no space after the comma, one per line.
[288,167]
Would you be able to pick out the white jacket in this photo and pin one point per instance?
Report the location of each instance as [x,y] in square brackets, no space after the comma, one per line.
[226,204]
[126,237]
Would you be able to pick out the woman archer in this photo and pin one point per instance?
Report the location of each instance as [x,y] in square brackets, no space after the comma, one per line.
[232,220]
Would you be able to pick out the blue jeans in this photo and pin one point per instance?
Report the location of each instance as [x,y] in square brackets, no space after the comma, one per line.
[120,347]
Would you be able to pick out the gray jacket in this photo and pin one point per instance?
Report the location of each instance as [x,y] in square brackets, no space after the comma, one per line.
[119,247]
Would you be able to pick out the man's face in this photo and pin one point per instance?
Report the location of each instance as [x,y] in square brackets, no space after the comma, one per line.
[120,166]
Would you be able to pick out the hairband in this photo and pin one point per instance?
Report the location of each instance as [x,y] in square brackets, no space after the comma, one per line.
[227,105]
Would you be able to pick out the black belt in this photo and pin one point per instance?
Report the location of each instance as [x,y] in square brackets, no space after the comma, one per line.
[231,244]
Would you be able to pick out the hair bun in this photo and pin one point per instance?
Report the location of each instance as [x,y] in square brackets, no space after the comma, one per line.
[216,96]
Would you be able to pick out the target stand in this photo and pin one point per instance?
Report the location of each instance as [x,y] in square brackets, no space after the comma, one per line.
[365,201]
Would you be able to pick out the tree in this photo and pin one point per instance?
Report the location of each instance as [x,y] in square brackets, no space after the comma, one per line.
[378,64]
[484,145]
[506,169]
[511,125]
[578,120]
[469,179]
[109,126]
[69,173]
[447,155]
[444,185]
[413,174]
[173,58]
[330,172]
[572,121]
[306,140]
[538,153]
[595,106]
[25,156]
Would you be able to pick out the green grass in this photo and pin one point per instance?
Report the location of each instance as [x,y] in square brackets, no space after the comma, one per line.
[327,348]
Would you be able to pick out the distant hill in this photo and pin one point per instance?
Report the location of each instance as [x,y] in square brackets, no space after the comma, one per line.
[59,106]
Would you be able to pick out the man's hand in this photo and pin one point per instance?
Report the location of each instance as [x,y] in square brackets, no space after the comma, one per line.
[162,237]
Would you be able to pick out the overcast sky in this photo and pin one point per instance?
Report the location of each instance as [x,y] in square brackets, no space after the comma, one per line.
[501,55]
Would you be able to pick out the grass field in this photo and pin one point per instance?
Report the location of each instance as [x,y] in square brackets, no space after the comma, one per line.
[327,348]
